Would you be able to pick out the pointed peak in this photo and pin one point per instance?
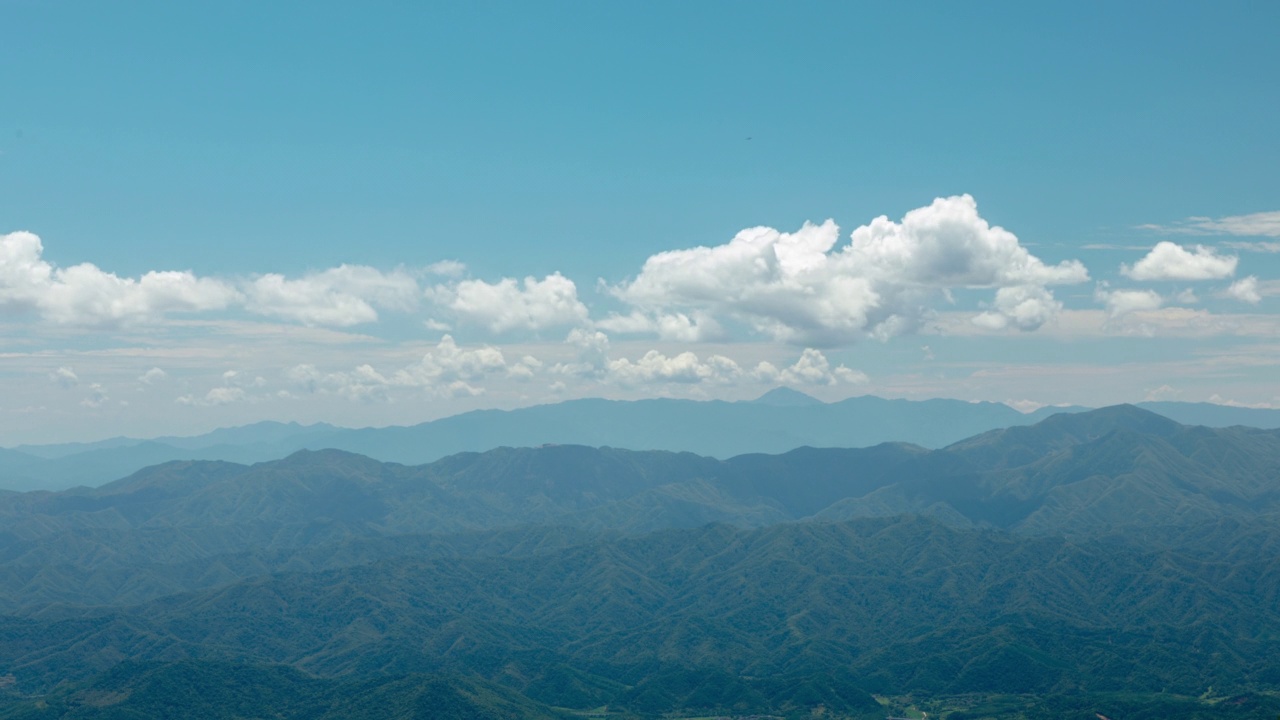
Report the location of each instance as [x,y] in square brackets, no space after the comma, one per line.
[786,397]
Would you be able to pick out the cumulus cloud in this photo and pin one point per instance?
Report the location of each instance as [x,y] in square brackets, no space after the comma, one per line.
[656,367]
[236,387]
[362,383]
[525,369]
[1266,224]
[215,396]
[797,287]
[812,368]
[448,370]
[685,367]
[506,305]
[86,295]
[592,353]
[1025,307]
[677,327]
[449,363]
[1245,290]
[1217,399]
[235,378]
[152,376]
[342,296]
[96,398]
[1123,302]
[1170,261]
[65,377]
[1164,392]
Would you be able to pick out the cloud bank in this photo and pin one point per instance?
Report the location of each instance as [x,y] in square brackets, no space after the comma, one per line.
[85,295]
[802,288]
[798,288]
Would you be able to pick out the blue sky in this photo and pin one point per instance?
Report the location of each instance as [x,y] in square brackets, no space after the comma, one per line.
[322,192]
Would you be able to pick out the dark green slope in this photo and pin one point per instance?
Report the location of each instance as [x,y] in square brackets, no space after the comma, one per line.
[1087,474]
[904,604]
[188,690]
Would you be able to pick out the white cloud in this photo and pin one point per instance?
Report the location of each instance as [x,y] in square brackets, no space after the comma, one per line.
[796,287]
[1170,261]
[97,397]
[685,367]
[341,296]
[677,327]
[1260,246]
[65,377]
[1025,307]
[525,369]
[448,363]
[215,396]
[1245,290]
[1266,224]
[1164,392]
[447,268]
[812,368]
[593,353]
[437,326]
[446,371]
[85,295]
[1217,399]
[1024,405]
[1123,302]
[510,305]
[236,387]
[152,376]
[235,378]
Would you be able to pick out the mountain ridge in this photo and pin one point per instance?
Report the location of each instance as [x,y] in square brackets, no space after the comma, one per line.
[777,421]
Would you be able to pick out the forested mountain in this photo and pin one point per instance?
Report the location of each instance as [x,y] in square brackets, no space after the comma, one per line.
[1111,556]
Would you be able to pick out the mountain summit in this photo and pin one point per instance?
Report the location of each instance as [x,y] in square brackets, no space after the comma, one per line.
[786,397]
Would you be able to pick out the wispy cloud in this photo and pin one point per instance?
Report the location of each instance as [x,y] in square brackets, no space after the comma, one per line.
[1262,224]
[1263,246]
[1113,246]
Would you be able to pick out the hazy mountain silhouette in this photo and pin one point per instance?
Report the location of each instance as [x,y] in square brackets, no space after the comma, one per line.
[780,420]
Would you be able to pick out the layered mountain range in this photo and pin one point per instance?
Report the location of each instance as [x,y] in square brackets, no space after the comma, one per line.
[779,421]
[1093,561]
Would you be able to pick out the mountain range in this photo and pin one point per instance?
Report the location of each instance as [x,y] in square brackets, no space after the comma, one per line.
[780,420]
[1109,561]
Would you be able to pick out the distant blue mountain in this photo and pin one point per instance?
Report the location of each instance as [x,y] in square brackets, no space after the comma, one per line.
[780,420]
[1211,415]
[786,397]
